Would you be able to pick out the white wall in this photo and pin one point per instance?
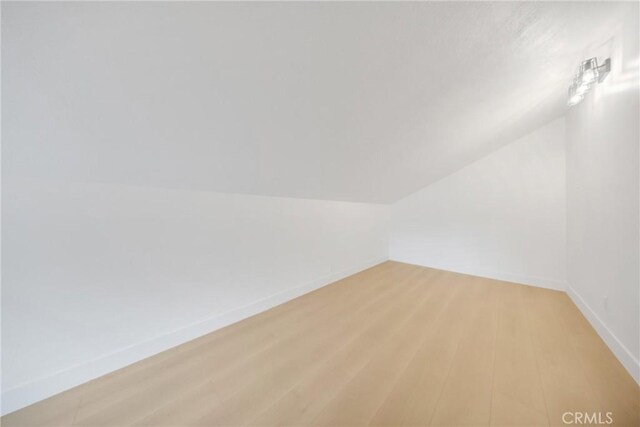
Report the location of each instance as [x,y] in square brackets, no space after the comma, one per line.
[97,276]
[603,196]
[101,100]
[501,217]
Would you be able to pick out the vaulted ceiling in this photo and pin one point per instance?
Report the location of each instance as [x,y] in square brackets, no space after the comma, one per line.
[344,101]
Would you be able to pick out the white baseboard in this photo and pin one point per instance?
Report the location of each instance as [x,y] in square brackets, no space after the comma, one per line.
[539,282]
[623,354]
[32,392]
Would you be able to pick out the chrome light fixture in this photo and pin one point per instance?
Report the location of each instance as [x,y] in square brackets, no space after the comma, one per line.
[588,74]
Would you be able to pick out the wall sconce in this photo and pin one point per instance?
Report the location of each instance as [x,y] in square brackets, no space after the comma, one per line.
[588,74]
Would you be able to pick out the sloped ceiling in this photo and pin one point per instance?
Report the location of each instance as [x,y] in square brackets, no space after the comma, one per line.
[345,101]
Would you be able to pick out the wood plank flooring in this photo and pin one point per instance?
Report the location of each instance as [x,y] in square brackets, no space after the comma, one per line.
[395,345]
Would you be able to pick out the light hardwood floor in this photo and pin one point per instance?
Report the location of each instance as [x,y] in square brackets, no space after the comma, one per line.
[394,345]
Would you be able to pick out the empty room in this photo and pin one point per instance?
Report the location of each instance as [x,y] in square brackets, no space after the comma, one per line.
[308,213]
